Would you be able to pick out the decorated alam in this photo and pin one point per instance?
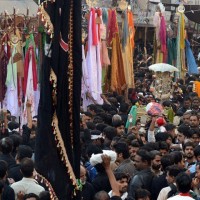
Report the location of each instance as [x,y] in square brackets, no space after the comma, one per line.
[99,99]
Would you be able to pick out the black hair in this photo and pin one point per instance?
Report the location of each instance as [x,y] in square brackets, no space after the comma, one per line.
[88,114]
[185,130]
[145,155]
[188,144]
[162,136]
[24,151]
[124,107]
[183,182]
[97,119]
[121,147]
[154,153]
[110,132]
[101,126]
[44,195]
[27,167]
[93,149]
[91,125]
[3,168]
[6,145]
[117,123]
[177,156]
[173,170]
[27,196]
[194,131]
[142,193]
[17,140]
[121,175]
[169,127]
[197,151]
[98,195]
[166,161]
[163,145]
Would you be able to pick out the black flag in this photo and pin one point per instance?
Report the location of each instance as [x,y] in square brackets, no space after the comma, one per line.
[57,153]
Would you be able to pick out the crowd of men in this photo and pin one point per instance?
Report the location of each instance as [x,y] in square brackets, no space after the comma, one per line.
[155,160]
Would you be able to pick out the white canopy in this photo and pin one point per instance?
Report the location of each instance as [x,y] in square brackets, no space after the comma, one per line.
[20,7]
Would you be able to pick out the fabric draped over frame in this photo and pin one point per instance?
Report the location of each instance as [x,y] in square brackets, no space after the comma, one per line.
[50,161]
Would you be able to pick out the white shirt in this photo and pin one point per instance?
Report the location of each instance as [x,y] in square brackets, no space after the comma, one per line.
[27,185]
[123,197]
[164,193]
[179,197]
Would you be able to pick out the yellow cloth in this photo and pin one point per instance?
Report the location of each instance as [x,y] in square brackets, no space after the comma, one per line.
[182,32]
[196,87]
[118,81]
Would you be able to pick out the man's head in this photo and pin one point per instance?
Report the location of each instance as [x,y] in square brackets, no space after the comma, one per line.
[170,128]
[142,160]
[197,153]
[142,194]
[30,196]
[119,126]
[188,149]
[3,169]
[187,103]
[109,133]
[122,151]
[183,182]
[156,160]
[122,180]
[97,137]
[133,148]
[178,159]
[195,133]
[23,151]
[166,161]
[102,195]
[186,118]
[194,121]
[195,103]
[27,167]
[172,172]
[163,148]
[83,173]
[6,145]
[183,133]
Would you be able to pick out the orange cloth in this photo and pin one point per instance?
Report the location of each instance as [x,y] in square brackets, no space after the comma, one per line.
[196,87]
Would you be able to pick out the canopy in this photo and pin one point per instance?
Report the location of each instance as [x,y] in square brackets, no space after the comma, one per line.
[20,6]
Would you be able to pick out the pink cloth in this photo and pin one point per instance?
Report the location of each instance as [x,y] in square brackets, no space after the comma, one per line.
[163,35]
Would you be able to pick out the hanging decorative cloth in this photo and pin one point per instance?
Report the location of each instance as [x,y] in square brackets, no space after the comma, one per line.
[11,96]
[191,63]
[30,83]
[180,61]
[3,73]
[118,82]
[127,52]
[93,60]
[163,37]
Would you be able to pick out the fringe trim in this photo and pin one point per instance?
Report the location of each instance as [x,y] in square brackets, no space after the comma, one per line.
[45,18]
[62,150]
[42,179]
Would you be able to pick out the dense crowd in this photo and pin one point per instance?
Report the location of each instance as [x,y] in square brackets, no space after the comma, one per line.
[157,158]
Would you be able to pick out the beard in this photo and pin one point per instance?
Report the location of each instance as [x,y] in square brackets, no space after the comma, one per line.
[156,167]
[123,190]
[190,155]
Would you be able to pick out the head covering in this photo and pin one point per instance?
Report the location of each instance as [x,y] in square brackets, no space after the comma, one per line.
[96,158]
[160,121]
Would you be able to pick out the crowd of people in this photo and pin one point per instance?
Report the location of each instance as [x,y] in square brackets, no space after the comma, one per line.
[155,160]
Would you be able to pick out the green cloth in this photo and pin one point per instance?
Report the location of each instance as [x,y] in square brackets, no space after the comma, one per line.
[170,115]
[133,113]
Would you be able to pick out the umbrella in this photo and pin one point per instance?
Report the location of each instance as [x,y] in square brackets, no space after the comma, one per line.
[163,67]
[154,108]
